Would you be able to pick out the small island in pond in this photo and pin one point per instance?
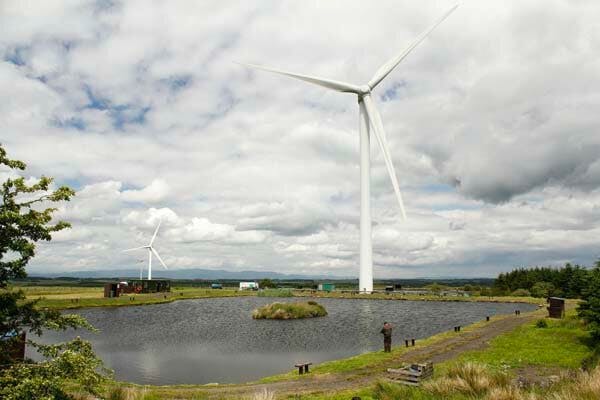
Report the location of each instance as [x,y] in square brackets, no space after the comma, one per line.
[309,309]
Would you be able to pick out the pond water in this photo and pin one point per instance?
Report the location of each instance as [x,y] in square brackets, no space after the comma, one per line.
[216,340]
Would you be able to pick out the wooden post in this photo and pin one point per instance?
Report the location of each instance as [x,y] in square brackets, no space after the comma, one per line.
[487,318]
[406,342]
[413,342]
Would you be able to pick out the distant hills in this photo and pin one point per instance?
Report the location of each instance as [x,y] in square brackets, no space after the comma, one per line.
[192,273]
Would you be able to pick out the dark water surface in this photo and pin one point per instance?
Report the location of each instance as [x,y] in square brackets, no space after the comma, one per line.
[216,340]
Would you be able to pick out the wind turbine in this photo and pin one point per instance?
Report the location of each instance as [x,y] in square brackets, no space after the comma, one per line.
[151,250]
[369,119]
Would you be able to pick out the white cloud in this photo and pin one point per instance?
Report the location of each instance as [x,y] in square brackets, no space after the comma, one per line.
[157,190]
[491,122]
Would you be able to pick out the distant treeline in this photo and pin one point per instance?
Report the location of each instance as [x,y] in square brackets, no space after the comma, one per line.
[469,283]
[569,281]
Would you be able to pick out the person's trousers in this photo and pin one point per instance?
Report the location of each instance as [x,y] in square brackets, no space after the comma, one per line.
[387,344]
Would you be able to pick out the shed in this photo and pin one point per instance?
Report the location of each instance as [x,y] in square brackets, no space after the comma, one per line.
[556,307]
[111,289]
[326,287]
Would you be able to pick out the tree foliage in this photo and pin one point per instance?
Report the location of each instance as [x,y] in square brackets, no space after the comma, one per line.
[25,220]
[569,281]
[589,308]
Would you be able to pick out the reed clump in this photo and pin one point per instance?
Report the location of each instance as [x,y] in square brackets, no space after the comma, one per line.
[296,310]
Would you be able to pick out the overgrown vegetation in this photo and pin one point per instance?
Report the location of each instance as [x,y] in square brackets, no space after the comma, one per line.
[476,381]
[23,222]
[309,309]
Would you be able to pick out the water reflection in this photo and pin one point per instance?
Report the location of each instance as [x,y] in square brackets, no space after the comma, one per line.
[216,340]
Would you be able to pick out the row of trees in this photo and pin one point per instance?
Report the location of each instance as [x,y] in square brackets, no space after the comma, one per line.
[569,281]
[24,220]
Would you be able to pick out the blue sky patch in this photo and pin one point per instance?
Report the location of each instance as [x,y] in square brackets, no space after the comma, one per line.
[393,92]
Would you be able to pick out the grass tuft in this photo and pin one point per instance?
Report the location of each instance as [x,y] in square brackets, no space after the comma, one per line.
[468,378]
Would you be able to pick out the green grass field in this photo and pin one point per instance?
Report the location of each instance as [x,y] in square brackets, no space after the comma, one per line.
[77,297]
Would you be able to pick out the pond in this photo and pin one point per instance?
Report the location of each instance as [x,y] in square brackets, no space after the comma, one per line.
[216,340]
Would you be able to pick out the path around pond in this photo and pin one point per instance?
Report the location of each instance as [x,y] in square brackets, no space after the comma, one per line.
[439,351]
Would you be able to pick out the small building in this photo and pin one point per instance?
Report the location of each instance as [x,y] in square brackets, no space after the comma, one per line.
[556,307]
[389,288]
[148,286]
[216,286]
[248,285]
[326,287]
[112,289]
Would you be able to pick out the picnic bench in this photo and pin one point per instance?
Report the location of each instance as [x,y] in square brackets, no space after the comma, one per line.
[302,368]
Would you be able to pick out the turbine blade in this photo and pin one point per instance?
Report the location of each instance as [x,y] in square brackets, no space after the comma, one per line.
[327,83]
[159,259]
[386,68]
[155,232]
[135,248]
[377,126]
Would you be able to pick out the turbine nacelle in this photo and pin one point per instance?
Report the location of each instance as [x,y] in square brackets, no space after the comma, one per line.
[363,90]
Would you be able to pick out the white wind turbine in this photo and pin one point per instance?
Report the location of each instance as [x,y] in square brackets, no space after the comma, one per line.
[369,118]
[151,250]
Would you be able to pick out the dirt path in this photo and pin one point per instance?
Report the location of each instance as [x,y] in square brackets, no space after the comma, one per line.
[442,350]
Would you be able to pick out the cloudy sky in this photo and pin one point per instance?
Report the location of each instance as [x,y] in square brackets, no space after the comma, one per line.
[139,106]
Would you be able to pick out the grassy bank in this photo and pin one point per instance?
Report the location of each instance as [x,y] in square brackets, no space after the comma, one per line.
[63,298]
[309,309]
[416,297]
[528,363]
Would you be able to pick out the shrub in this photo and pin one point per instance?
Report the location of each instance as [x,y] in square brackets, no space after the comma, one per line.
[541,323]
[521,293]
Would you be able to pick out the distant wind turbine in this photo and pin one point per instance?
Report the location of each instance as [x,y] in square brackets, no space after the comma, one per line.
[369,118]
[151,250]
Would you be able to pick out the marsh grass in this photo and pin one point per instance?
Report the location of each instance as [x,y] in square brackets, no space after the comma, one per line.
[309,309]
[275,293]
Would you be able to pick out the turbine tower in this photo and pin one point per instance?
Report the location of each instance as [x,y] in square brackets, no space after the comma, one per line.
[369,120]
[151,250]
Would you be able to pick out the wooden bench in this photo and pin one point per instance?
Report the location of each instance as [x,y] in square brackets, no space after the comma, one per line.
[302,368]
[411,375]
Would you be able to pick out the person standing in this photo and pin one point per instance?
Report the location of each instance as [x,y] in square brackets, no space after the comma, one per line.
[387,337]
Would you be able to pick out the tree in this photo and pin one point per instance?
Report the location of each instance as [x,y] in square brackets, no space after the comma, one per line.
[435,288]
[542,289]
[589,308]
[266,284]
[24,221]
